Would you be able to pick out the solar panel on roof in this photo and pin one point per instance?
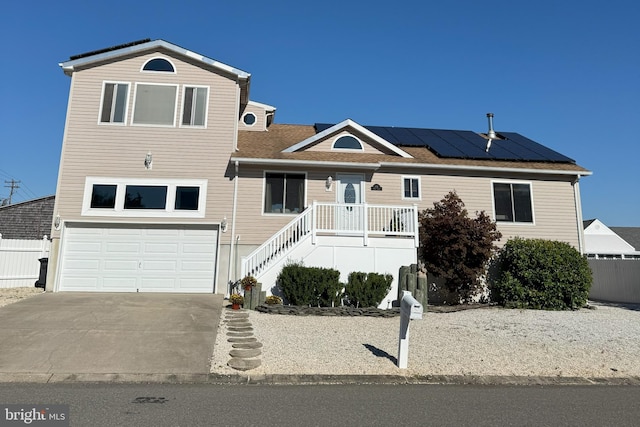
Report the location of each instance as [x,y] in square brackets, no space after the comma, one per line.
[539,149]
[462,144]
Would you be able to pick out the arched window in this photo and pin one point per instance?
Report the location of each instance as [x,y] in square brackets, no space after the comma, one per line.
[159,64]
[347,142]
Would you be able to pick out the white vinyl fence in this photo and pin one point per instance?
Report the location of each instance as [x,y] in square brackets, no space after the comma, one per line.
[19,265]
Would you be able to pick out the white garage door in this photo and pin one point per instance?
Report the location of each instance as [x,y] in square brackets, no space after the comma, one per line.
[131,258]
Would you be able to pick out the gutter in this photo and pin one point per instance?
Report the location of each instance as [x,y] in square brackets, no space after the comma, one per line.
[578,204]
[378,165]
[233,227]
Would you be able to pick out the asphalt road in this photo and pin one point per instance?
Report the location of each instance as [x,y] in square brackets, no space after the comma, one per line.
[100,405]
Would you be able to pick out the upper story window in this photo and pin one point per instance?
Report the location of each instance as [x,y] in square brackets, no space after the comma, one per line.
[114,102]
[135,197]
[411,187]
[159,64]
[194,106]
[512,202]
[347,142]
[154,104]
[249,119]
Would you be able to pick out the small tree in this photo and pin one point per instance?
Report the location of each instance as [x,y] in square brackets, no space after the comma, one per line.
[457,248]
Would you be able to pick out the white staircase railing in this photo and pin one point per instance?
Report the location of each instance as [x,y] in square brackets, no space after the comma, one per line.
[334,218]
[278,245]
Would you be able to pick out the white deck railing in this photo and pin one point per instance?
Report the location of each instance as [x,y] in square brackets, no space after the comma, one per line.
[363,220]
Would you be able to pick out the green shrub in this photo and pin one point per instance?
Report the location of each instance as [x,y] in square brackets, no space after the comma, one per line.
[367,290]
[540,274]
[310,285]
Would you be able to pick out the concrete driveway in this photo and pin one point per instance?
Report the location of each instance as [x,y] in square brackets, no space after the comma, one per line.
[74,335]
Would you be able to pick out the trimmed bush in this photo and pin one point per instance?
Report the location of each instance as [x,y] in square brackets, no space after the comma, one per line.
[367,290]
[311,286]
[540,274]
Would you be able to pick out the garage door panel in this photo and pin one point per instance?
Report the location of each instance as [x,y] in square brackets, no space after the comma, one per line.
[129,248]
[161,248]
[130,258]
[150,267]
[196,266]
[81,283]
[120,265]
[123,283]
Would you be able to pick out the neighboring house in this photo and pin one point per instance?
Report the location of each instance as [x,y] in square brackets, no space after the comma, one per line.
[172,180]
[602,242]
[24,230]
[29,220]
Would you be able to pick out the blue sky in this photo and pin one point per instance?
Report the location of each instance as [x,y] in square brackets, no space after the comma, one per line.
[565,74]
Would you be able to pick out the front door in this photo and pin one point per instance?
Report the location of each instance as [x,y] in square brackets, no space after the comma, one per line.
[349,192]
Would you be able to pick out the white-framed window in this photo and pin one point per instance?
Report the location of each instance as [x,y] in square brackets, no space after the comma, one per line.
[155,104]
[284,192]
[137,197]
[347,142]
[512,201]
[113,105]
[249,119]
[159,65]
[411,187]
[195,100]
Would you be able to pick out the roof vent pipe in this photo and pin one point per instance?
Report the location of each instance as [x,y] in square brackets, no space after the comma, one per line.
[491,134]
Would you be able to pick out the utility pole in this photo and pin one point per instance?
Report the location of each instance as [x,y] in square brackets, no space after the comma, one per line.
[13,184]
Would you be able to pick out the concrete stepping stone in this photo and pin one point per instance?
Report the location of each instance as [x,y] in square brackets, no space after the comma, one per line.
[245,353]
[239,315]
[240,328]
[239,334]
[238,321]
[242,339]
[244,364]
[247,345]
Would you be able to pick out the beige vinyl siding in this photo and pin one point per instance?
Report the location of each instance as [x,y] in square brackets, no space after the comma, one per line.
[553,201]
[261,118]
[92,149]
[369,146]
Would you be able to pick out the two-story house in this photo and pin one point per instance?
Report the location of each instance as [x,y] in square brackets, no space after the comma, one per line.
[172,180]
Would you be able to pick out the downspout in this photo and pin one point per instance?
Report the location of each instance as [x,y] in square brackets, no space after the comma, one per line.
[578,203]
[233,227]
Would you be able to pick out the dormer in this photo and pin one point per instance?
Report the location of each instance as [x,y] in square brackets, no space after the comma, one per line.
[256,116]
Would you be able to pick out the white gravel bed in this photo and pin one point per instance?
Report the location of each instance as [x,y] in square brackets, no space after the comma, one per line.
[11,295]
[601,342]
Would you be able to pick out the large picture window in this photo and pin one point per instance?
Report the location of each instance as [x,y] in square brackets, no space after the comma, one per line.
[144,197]
[103,196]
[155,105]
[114,103]
[284,193]
[194,110]
[512,202]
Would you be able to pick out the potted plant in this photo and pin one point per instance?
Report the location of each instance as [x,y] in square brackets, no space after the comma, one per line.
[273,300]
[236,301]
[248,282]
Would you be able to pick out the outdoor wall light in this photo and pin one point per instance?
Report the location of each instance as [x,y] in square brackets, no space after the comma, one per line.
[56,222]
[328,183]
[148,160]
[223,225]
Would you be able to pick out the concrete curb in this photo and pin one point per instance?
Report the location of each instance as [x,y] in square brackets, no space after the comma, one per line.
[283,379]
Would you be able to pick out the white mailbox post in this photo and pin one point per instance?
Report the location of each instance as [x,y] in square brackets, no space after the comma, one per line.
[410,309]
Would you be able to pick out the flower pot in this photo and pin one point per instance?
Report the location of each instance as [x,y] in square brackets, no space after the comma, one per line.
[235,306]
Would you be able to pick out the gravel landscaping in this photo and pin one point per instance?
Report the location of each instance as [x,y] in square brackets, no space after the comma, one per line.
[600,342]
[11,295]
